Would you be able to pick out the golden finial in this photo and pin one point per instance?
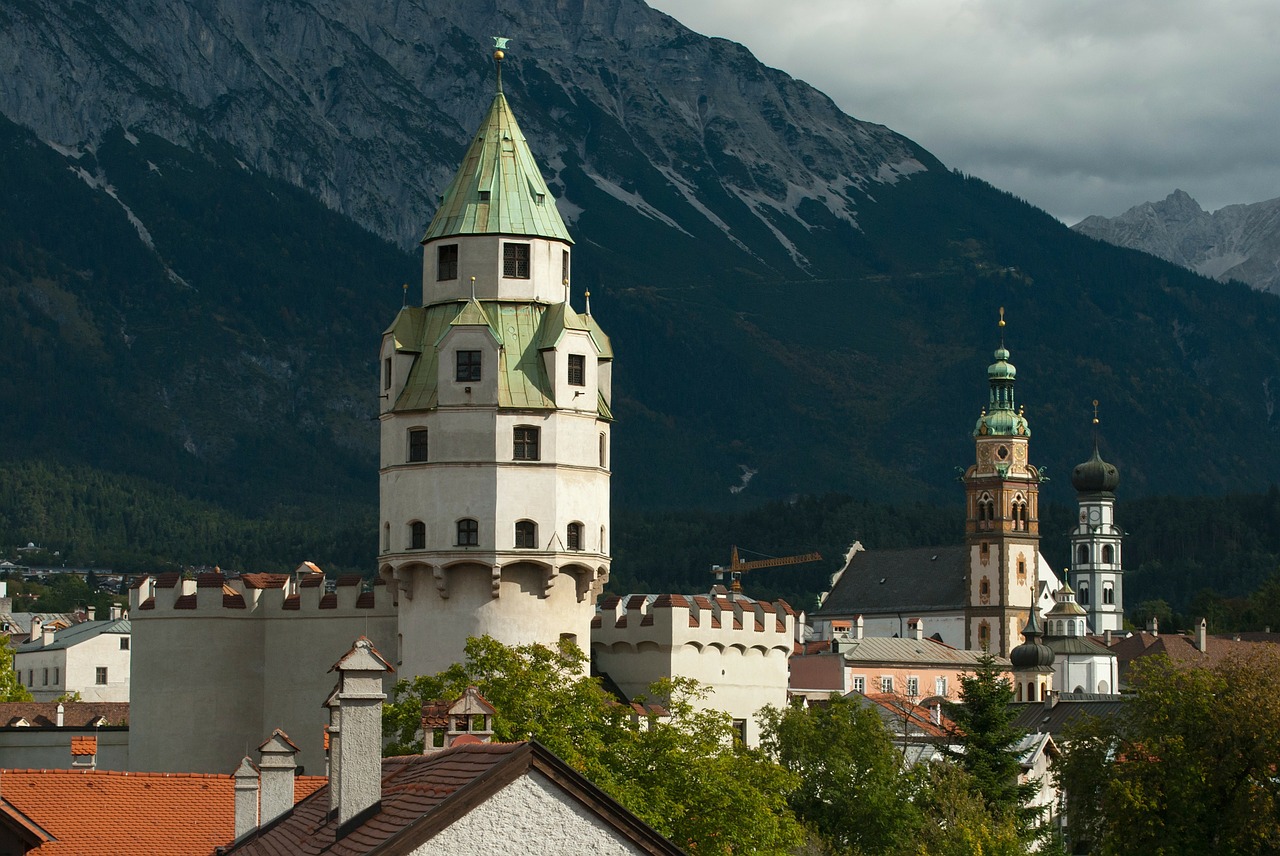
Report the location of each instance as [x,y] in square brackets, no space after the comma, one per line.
[404,299]
[473,288]
[499,53]
[588,296]
[1095,411]
[1001,324]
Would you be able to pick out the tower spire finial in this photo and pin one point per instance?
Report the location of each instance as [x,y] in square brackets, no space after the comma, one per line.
[404,299]
[588,297]
[499,52]
[473,288]
[1095,426]
[1001,326]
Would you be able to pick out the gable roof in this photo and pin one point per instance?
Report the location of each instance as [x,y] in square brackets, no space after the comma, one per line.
[423,794]
[1068,709]
[92,812]
[914,580]
[77,633]
[1182,650]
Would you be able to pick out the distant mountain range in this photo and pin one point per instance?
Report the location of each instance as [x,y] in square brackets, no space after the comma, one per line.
[1240,242]
[210,209]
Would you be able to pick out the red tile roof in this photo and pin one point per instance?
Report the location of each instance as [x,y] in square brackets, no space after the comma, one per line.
[82,746]
[104,813]
[264,581]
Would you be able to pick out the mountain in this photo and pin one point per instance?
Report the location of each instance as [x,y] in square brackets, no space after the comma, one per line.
[1240,242]
[211,207]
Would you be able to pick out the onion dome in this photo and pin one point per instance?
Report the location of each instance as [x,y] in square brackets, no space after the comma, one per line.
[1095,475]
[1001,418]
[1031,655]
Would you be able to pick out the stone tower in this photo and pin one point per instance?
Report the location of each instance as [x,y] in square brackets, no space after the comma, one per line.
[1002,526]
[494,403]
[1095,543]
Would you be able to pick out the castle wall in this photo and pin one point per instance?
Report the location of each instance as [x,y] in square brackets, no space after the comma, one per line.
[217,664]
[737,648]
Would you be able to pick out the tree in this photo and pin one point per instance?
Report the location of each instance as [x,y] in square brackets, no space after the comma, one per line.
[683,774]
[11,688]
[986,743]
[956,821]
[1189,766]
[853,794]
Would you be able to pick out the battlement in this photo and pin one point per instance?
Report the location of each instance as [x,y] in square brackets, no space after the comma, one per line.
[674,620]
[303,591]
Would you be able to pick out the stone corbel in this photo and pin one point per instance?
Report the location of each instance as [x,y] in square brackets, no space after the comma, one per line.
[548,580]
[403,583]
[497,581]
[442,581]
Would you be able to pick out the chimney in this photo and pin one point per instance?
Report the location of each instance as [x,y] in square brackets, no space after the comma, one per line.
[1106,638]
[277,767]
[246,779]
[1202,636]
[60,715]
[916,626]
[36,623]
[857,627]
[357,758]
[93,611]
[46,635]
[1153,626]
[117,612]
[1050,699]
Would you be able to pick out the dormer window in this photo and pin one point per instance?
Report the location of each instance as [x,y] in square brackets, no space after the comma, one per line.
[484,196]
[577,370]
[515,260]
[539,198]
[468,366]
[447,262]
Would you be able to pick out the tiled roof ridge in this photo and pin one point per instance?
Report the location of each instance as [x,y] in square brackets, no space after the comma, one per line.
[259,593]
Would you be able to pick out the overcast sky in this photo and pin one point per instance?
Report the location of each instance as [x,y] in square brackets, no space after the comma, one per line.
[1081,107]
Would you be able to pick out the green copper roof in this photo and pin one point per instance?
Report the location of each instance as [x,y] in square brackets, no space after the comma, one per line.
[521,328]
[999,418]
[498,189]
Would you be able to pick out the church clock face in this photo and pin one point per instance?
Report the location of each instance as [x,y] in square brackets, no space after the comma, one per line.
[1095,516]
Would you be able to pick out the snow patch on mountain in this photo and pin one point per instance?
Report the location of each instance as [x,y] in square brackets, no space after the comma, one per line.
[634,200]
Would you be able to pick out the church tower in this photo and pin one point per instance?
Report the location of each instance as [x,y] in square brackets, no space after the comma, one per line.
[1095,542]
[1002,521]
[494,410]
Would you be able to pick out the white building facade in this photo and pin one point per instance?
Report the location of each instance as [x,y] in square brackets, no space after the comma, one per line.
[91,658]
[1096,545]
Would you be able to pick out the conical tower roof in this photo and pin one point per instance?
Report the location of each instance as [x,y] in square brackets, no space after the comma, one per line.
[498,189]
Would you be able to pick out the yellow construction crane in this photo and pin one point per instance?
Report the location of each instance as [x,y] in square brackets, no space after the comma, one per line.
[737,567]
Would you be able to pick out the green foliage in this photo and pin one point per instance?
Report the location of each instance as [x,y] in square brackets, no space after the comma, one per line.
[1190,767]
[853,794]
[11,689]
[986,742]
[685,777]
[957,821]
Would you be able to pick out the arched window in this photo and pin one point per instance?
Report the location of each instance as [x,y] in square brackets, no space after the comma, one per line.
[1108,593]
[417,535]
[468,532]
[1083,595]
[984,590]
[1022,571]
[526,534]
[573,536]
[1082,554]
[417,445]
[1108,554]
[984,635]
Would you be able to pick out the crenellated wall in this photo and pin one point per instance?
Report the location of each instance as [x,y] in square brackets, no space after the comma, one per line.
[737,647]
[219,662]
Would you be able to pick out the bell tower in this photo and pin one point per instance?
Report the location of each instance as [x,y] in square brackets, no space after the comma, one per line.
[1002,520]
[1096,541]
[495,422]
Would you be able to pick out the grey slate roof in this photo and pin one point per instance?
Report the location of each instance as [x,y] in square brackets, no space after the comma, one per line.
[1071,707]
[918,579]
[77,633]
[1064,645]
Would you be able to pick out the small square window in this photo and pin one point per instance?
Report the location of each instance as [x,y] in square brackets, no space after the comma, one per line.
[484,195]
[525,442]
[515,261]
[101,676]
[417,445]
[447,262]
[124,643]
[468,366]
[526,534]
[577,370]
[468,533]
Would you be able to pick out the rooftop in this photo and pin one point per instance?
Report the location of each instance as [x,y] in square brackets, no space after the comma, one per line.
[918,579]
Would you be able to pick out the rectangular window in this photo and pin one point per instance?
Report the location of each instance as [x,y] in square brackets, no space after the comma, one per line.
[56,675]
[740,730]
[468,366]
[525,443]
[564,266]
[101,677]
[447,262]
[886,684]
[526,534]
[577,370]
[913,687]
[940,686]
[124,643]
[859,684]
[515,261]
[468,533]
[417,535]
[417,445]
[386,373]
[31,678]
[46,677]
